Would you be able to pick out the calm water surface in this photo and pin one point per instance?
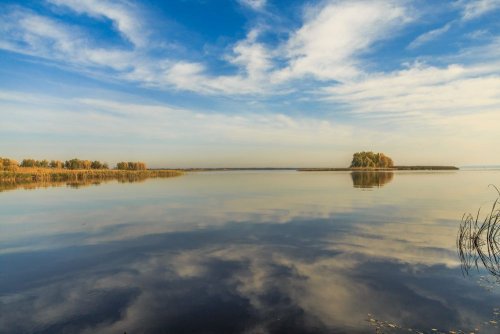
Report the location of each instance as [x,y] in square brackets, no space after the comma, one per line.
[245,252]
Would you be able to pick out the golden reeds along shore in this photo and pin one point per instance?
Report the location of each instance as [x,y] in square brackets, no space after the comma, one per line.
[35,174]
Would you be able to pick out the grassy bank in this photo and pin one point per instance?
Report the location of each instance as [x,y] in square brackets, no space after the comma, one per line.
[28,174]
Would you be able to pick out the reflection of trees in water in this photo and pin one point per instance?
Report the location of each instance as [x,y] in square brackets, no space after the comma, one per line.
[478,241]
[370,179]
[4,186]
[478,244]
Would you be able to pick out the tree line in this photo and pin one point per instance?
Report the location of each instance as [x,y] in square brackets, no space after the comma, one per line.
[371,160]
[131,165]
[9,164]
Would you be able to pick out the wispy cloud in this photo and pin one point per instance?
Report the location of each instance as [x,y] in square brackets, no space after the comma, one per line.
[333,35]
[334,57]
[161,126]
[429,36]
[423,91]
[271,138]
[35,35]
[254,4]
[39,36]
[326,46]
[124,16]
[477,8]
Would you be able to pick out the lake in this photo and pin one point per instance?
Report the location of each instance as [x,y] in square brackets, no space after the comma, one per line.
[246,252]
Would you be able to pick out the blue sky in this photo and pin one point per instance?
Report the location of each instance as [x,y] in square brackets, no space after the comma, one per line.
[190,83]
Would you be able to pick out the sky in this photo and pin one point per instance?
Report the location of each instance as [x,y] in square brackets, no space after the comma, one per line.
[250,83]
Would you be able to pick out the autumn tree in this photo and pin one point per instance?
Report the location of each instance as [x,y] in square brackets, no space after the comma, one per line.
[96,165]
[77,164]
[8,164]
[86,164]
[122,165]
[72,164]
[42,163]
[28,163]
[56,164]
[131,165]
[371,160]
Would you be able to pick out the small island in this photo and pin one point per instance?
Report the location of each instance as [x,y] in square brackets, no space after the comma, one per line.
[31,170]
[370,161]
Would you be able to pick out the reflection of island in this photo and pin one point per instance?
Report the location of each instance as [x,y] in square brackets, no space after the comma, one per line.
[370,179]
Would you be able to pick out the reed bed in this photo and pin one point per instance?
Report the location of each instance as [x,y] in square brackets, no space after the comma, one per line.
[478,240]
[29,174]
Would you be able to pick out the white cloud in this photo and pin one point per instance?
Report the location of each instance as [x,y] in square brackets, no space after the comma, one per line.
[122,14]
[39,36]
[326,46]
[464,113]
[254,4]
[332,37]
[476,8]
[252,60]
[28,33]
[146,121]
[423,90]
[252,56]
[429,36]
[478,34]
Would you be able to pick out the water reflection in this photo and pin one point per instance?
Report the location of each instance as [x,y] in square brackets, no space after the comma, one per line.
[237,253]
[478,245]
[250,278]
[5,186]
[478,240]
[370,179]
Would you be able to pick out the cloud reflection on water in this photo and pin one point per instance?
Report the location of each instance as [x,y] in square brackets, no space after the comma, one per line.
[315,259]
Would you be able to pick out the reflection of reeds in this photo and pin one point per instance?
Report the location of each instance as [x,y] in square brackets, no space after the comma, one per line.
[478,240]
[76,179]
[4,186]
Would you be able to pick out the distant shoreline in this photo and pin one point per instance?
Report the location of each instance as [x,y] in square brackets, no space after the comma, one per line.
[28,174]
[395,168]
[315,169]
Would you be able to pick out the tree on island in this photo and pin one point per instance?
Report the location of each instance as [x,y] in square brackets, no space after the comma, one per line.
[371,160]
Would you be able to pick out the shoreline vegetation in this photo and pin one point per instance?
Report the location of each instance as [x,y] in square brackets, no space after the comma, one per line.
[75,170]
[369,161]
[361,161]
[318,169]
[370,169]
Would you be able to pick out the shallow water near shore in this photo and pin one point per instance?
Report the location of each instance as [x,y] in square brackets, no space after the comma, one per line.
[246,252]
